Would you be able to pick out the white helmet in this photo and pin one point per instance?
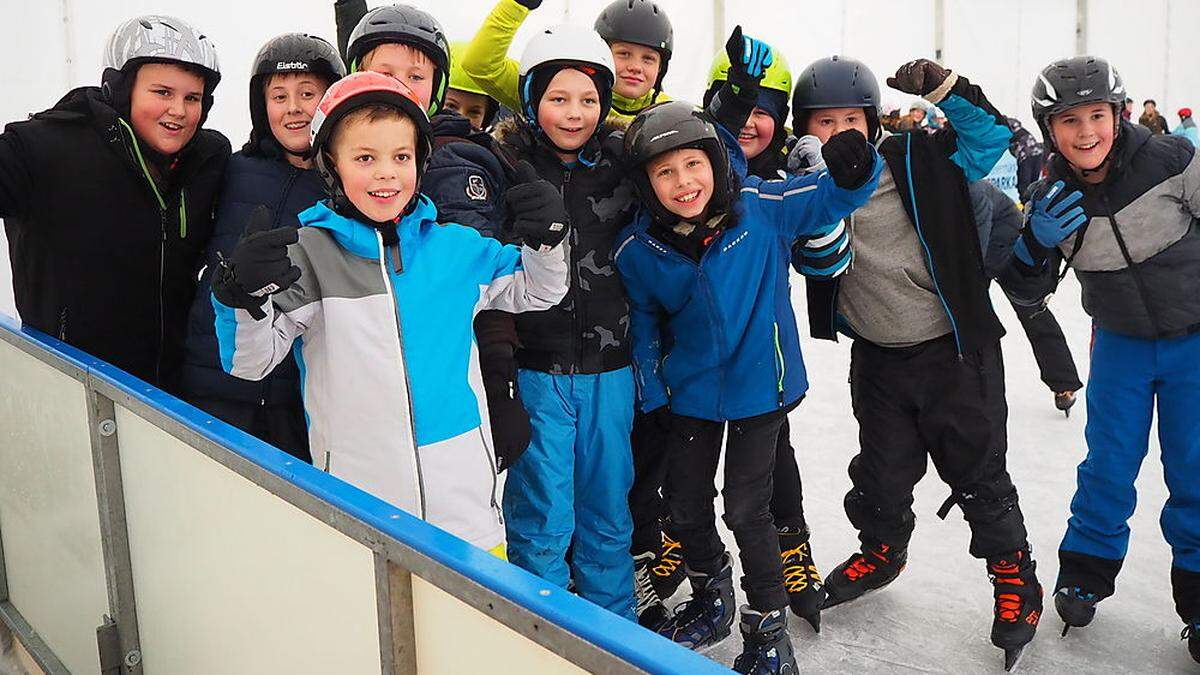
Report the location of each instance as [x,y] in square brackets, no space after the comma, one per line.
[565,44]
[157,37]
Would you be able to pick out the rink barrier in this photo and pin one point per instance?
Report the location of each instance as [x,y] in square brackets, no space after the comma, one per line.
[139,534]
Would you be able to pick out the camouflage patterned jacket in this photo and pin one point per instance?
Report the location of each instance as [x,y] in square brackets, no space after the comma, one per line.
[588,332]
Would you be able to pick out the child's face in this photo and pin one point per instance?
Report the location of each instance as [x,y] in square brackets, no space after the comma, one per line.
[570,109]
[292,99]
[757,133]
[1084,134]
[405,63]
[683,181]
[471,106]
[828,122]
[637,68]
[165,106]
[377,162]
[916,115]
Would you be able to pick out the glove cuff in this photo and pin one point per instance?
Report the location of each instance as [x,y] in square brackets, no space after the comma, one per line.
[943,90]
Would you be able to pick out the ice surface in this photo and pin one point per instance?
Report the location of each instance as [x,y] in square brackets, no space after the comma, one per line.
[936,616]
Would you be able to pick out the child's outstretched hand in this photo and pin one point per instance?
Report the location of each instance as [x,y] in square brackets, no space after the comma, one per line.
[748,59]
[1054,215]
[918,77]
[258,267]
[539,216]
[848,159]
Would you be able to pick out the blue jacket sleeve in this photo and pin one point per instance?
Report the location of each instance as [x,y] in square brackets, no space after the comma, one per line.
[645,331]
[810,204]
[977,134]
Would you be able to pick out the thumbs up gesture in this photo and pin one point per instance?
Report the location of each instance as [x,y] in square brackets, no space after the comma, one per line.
[258,267]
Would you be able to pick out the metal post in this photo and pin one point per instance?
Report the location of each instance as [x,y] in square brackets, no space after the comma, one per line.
[718,21]
[939,30]
[1081,21]
[68,44]
[1166,88]
[114,535]
[397,623]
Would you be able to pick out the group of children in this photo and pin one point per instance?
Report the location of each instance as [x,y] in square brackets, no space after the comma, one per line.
[415,292]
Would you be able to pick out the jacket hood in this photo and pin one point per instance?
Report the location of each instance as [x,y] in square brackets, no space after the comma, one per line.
[359,238]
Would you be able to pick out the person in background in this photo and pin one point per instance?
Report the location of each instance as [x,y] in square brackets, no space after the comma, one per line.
[1151,118]
[1187,127]
[273,169]
[1030,154]
[108,196]
[1127,110]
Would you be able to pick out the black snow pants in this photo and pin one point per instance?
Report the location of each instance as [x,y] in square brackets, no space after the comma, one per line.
[283,425]
[1050,350]
[921,401]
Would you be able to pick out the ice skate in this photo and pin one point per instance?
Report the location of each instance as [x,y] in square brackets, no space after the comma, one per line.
[707,617]
[1018,605]
[1075,606]
[1191,633]
[868,570]
[651,612]
[806,590]
[1064,400]
[766,647]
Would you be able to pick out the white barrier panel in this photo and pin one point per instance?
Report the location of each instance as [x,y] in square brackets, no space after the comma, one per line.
[229,578]
[442,620]
[49,519]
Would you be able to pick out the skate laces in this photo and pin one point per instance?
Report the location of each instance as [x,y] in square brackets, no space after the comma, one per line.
[645,594]
[669,558]
[1189,630]
[859,566]
[796,574]
[1006,575]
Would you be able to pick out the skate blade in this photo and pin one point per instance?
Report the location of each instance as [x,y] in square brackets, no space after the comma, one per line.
[1066,627]
[1012,657]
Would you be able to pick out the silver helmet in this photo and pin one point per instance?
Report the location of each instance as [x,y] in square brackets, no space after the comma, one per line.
[161,38]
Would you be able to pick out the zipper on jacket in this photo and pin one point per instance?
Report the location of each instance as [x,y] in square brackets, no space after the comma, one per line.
[1137,277]
[576,342]
[412,418]
[489,454]
[912,194]
[780,367]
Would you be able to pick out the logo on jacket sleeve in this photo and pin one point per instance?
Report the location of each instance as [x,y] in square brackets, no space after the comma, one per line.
[476,188]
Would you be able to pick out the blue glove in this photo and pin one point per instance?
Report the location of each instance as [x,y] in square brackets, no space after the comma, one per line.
[748,59]
[824,255]
[1054,217]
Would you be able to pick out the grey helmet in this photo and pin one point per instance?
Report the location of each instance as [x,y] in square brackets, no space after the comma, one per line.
[1067,83]
[155,38]
[161,38]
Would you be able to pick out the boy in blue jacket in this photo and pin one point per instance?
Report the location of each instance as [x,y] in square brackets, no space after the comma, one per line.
[706,268]
[291,73]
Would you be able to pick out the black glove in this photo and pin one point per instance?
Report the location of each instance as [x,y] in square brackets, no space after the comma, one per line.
[918,77]
[748,59]
[848,159]
[259,265]
[530,4]
[539,216]
[510,422]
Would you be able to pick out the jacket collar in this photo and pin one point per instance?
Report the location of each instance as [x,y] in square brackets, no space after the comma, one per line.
[361,239]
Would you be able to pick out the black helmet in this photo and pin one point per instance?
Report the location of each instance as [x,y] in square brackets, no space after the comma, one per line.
[288,53]
[640,22]
[1067,83]
[670,126]
[404,25]
[835,82]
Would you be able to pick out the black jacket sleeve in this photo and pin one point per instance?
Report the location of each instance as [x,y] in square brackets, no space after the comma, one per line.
[16,180]
[347,14]
[731,106]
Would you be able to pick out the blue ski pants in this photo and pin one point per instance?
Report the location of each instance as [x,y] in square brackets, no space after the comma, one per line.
[572,485]
[1129,376]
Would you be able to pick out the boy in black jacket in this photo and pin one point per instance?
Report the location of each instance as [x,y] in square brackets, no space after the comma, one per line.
[926,377]
[107,200]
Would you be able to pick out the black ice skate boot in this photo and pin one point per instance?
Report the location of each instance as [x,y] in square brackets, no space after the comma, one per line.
[805,589]
[1064,401]
[651,612]
[1076,606]
[1018,603]
[1191,633]
[766,647]
[707,617]
[667,568]
[870,569]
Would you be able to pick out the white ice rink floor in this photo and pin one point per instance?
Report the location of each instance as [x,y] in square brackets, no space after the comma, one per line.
[936,616]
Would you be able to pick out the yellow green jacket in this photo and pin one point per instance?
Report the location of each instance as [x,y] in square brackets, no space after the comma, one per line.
[486,61]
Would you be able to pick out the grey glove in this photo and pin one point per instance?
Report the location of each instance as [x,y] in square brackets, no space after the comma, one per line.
[806,157]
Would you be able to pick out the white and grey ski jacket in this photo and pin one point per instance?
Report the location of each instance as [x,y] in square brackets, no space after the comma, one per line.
[389,370]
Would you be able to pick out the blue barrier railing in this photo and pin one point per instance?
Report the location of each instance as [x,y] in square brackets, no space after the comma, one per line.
[628,642]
